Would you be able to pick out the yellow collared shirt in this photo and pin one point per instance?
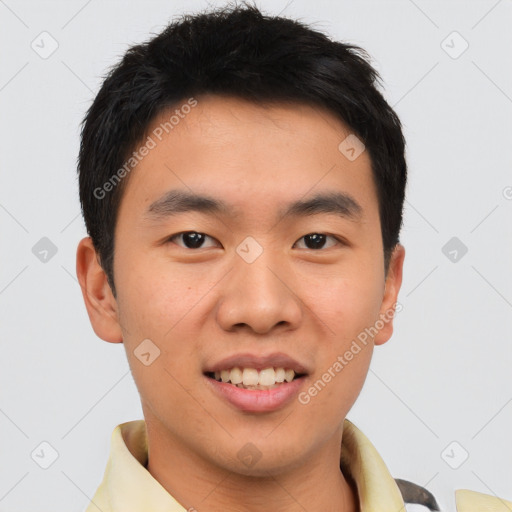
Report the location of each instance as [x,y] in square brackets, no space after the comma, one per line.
[128,486]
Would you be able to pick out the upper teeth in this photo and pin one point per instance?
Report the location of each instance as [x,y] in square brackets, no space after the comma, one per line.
[253,377]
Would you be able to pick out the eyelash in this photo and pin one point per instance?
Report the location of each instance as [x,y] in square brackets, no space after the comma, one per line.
[172,237]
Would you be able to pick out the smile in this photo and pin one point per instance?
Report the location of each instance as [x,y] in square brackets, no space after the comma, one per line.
[251,378]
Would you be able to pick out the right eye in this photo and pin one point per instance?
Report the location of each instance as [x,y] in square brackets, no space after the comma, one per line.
[190,239]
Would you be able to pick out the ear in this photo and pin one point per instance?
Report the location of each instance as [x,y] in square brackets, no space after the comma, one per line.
[99,300]
[389,305]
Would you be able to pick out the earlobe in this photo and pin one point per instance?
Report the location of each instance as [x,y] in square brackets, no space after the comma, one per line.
[390,298]
[99,301]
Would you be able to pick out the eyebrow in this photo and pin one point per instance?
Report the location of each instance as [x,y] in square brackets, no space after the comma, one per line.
[175,202]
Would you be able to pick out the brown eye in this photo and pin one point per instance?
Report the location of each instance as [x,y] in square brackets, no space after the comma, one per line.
[190,239]
[315,241]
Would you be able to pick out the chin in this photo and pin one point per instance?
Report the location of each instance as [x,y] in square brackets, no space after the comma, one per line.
[262,459]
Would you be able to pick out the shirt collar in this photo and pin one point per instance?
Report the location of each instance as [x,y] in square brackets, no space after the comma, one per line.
[128,486]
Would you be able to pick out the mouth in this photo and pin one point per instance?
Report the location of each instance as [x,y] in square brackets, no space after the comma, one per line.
[256,383]
[252,378]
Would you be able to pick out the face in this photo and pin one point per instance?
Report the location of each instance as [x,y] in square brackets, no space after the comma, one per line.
[254,284]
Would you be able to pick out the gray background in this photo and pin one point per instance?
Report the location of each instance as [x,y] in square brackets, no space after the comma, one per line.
[444,377]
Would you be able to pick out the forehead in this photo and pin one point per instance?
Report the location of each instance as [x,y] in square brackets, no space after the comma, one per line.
[252,157]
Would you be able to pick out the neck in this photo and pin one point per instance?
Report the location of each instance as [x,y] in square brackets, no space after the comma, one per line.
[315,484]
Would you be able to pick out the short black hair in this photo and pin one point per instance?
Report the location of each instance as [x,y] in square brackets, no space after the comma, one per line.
[234,51]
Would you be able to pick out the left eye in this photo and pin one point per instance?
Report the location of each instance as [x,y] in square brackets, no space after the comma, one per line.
[195,240]
[316,241]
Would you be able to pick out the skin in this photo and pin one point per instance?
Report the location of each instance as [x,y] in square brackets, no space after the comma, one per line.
[201,305]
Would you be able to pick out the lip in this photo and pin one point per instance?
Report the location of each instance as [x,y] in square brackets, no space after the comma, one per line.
[259,362]
[257,400]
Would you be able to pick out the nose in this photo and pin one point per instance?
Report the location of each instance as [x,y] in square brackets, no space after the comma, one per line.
[259,296]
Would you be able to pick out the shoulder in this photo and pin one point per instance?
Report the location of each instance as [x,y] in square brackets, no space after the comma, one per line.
[472,501]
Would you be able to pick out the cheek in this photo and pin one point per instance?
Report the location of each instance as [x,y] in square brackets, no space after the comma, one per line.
[345,302]
[157,305]
[165,307]
[333,391]
[155,300]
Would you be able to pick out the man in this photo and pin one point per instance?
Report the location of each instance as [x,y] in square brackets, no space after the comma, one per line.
[242,182]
